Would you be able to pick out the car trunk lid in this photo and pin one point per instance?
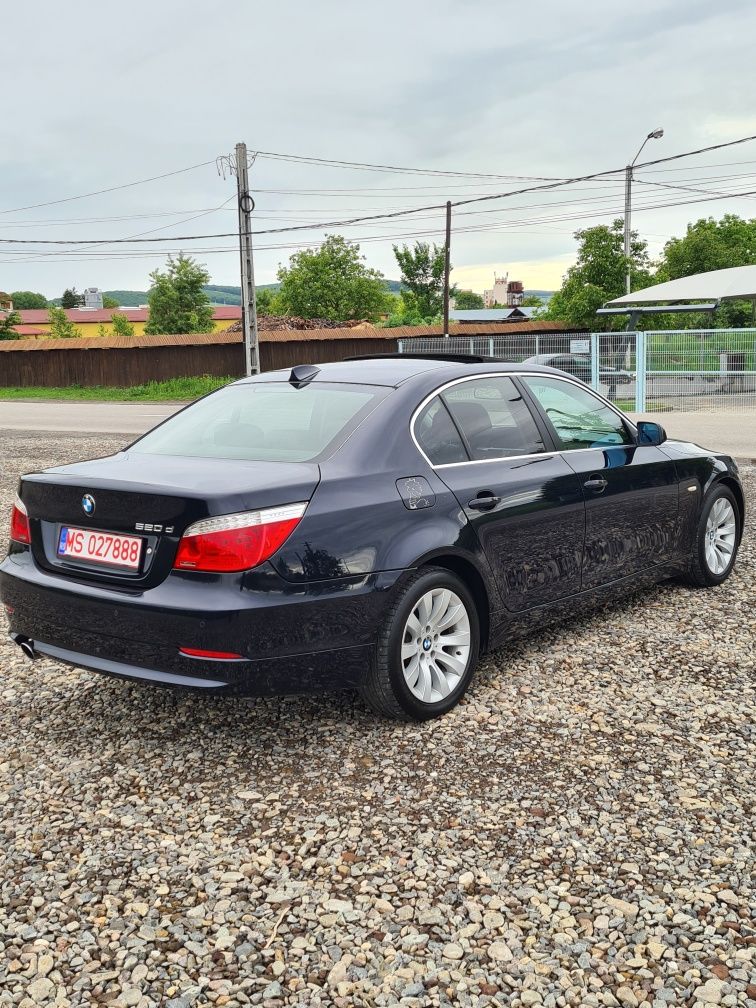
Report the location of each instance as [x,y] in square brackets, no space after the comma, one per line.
[154,498]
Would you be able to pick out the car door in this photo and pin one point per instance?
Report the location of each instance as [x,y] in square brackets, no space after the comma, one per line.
[631,493]
[523,499]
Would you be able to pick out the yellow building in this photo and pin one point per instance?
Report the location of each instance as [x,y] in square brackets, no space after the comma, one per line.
[35,322]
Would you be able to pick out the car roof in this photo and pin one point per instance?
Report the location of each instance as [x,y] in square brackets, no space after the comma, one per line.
[394,371]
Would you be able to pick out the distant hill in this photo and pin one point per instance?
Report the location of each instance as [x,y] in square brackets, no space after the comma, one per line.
[218,294]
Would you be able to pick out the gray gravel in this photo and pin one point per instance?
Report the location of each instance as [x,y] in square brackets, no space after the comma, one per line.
[579,832]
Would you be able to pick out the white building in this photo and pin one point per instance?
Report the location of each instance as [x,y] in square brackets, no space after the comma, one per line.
[504,292]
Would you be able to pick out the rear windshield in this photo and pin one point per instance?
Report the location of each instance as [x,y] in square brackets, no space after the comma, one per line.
[265,421]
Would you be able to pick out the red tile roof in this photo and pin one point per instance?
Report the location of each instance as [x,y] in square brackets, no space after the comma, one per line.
[40,316]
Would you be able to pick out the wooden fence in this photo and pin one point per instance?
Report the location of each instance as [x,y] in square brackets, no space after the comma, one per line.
[65,365]
[134,360]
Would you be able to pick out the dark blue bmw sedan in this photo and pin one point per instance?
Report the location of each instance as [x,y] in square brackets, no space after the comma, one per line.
[372,524]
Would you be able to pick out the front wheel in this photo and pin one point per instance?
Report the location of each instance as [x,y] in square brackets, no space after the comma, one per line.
[717,539]
[427,649]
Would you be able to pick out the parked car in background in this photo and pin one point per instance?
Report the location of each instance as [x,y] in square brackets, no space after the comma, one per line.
[579,366]
[373,524]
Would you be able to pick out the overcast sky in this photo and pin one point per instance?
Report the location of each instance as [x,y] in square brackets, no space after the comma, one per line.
[99,95]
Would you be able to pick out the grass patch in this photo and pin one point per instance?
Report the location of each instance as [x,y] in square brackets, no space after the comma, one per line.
[154,391]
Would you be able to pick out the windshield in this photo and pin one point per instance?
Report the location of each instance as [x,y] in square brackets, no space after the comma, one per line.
[265,421]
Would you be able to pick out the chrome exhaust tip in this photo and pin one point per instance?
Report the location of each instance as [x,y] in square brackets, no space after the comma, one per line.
[27,646]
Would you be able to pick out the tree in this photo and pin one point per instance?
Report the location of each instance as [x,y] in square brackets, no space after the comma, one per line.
[110,302]
[121,325]
[178,304]
[707,245]
[71,298]
[467,300]
[404,314]
[24,300]
[264,297]
[598,276]
[61,326]
[331,282]
[7,322]
[531,301]
[423,278]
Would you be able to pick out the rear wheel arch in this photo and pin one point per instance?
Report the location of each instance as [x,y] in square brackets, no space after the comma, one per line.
[473,580]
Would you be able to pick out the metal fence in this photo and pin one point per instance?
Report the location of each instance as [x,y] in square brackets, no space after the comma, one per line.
[698,370]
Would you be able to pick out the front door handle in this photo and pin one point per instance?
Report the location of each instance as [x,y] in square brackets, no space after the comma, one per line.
[596,483]
[485,501]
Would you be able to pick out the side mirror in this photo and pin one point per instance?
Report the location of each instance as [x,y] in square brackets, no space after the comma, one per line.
[650,433]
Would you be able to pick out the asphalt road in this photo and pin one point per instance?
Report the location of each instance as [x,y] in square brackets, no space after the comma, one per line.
[84,418]
[734,433]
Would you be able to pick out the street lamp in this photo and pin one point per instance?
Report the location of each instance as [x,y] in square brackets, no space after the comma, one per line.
[655,135]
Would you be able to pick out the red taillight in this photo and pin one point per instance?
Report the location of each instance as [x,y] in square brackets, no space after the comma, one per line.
[236,542]
[191,652]
[19,527]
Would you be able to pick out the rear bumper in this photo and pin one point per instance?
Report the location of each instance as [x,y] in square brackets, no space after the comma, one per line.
[293,639]
[318,672]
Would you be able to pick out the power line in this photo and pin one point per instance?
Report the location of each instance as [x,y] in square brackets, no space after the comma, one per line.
[365,166]
[471,229]
[99,192]
[376,217]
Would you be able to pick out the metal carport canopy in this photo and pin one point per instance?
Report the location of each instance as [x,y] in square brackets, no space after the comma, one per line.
[717,285]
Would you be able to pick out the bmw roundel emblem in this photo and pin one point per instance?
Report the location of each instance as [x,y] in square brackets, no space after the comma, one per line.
[88,504]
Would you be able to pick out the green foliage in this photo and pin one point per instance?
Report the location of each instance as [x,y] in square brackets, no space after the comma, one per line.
[178,303]
[405,313]
[24,300]
[71,298]
[110,302]
[710,244]
[598,276]
[181,389]
[423,277]
[60,326]
[7,322]
[331,282]
[102,332]
[121,325]
[264,297]
[467,300]
[531,301]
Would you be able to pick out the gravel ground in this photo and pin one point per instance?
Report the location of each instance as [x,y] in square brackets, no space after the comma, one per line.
[579,832]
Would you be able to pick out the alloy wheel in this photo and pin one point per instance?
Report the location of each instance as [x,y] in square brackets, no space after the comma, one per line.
[436,645]
[719,536]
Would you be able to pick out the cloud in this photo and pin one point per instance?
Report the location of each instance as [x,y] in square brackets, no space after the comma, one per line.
[102,95]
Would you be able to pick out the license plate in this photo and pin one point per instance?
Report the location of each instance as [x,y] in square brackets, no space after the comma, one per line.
[107,548]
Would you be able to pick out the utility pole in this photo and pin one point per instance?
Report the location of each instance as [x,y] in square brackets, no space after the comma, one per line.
[654,135]
[447,261]
[248,299]
[628,196]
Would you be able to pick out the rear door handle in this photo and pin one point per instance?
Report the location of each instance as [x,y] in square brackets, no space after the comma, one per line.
[596,483]
[485,501]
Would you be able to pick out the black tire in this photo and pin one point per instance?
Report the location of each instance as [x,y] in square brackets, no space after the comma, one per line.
[385,689]
[699,573]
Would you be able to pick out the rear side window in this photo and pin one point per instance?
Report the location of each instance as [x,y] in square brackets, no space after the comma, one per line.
[437,435]
[494,418]
[265,421]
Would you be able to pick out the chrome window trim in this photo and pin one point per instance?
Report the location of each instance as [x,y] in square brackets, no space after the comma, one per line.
[512,374]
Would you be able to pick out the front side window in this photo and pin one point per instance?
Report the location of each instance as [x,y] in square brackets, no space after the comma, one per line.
[580,419]
[493,418]
[265,421]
